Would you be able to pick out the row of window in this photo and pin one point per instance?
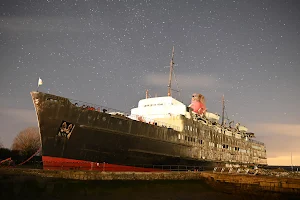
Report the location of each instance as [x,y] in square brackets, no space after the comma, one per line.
[189,139]
[211,144]
[190,128]
[158,104]
[194,129]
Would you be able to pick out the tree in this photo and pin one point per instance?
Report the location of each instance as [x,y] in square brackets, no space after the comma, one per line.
[27,141]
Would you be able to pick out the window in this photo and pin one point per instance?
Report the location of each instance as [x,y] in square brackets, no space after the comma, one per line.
[211,144]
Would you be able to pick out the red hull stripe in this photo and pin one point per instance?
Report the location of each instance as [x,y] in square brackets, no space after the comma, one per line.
[55,163]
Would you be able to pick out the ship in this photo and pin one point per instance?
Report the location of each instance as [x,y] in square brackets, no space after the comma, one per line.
[160,133]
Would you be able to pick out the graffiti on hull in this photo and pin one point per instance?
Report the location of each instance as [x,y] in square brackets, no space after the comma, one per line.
[65,129]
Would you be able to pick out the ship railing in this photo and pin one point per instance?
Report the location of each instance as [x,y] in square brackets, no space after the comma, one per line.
[231,170]
[103,167]
[105,109]
[173,167]
[154,122]
[95,107]
[256,142]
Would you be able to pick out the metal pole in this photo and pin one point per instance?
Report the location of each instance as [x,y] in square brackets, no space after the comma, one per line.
[171,72]
[292,161]
[223,108]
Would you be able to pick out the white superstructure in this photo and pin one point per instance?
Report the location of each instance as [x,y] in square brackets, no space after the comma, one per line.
[159,107]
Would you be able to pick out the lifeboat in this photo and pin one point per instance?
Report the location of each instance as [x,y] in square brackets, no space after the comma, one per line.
[117,113]
[242,128]
[212,116]
[250,135]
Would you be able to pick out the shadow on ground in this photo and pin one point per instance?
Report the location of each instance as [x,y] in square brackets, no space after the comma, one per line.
[34,187]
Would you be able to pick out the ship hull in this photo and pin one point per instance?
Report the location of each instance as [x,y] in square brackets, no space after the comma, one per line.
[76,138]
[120,150]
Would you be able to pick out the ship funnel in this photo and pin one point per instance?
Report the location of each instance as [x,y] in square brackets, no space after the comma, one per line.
[198,104]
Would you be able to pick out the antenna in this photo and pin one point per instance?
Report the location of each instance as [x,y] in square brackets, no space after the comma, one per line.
[171,72]
[223,109]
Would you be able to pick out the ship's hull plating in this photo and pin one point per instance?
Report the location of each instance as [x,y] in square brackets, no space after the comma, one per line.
[104,146]
[76,138]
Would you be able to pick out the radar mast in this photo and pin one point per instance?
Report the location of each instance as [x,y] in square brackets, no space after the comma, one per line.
[171,72]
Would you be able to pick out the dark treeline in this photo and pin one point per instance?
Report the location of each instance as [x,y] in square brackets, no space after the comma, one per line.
[18,157]
[7,153]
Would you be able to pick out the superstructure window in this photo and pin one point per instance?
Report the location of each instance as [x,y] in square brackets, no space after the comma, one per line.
[236,148]
[158,104]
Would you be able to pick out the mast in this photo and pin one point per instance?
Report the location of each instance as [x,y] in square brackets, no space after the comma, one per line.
[171,72]
[223,109]
[292,161]
[147,94]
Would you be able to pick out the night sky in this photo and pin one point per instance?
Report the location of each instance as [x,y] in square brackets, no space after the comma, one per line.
[109,52]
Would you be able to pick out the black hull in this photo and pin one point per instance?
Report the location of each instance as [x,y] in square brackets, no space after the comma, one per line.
[120,149]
